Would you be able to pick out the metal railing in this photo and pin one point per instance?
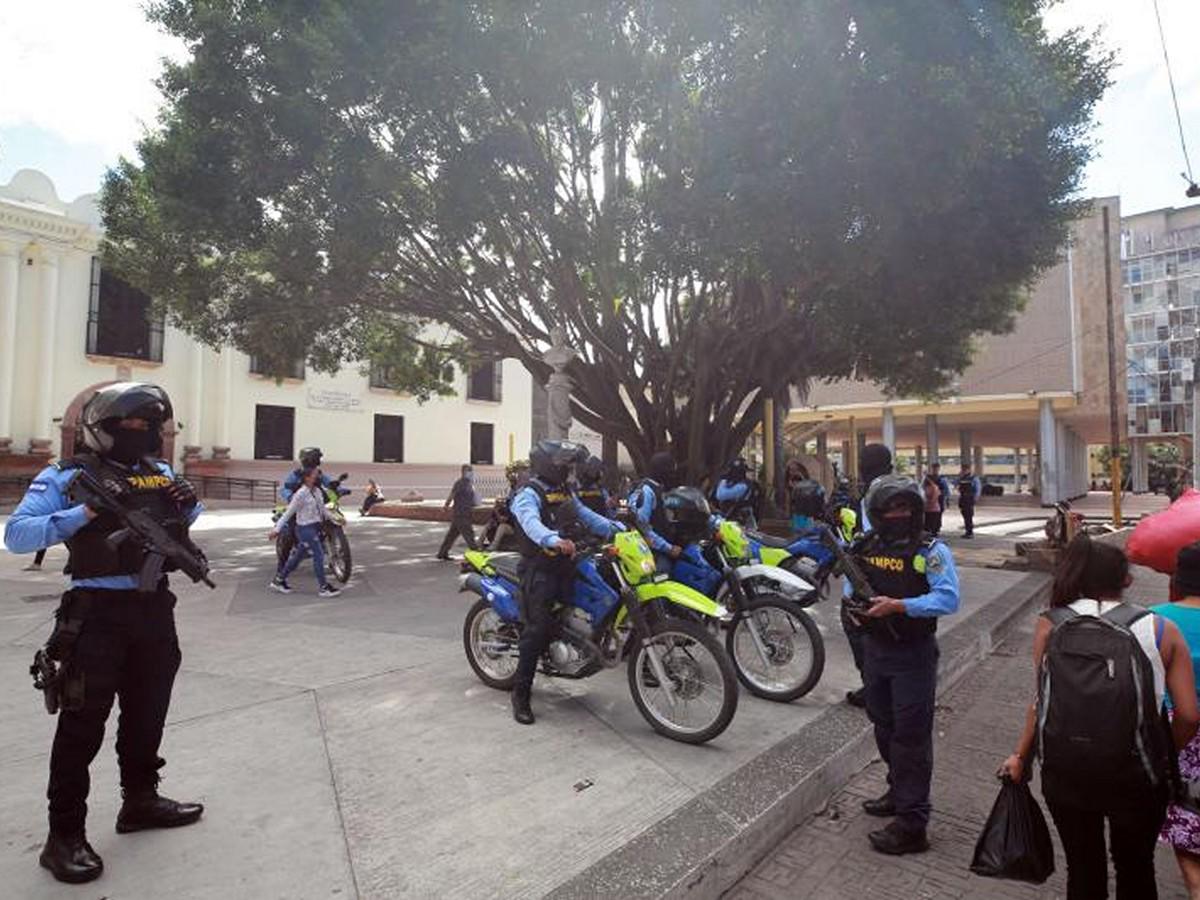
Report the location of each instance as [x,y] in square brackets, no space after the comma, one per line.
[248,490]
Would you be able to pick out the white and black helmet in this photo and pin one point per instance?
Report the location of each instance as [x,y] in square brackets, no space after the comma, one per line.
[889,491]
[122,400]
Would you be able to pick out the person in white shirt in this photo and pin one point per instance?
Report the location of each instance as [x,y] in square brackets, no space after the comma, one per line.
[308,506]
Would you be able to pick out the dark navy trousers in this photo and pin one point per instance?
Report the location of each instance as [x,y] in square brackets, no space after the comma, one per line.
[901,685]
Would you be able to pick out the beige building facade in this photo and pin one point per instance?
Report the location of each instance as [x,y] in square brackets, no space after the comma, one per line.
[1039,393]
[66,326]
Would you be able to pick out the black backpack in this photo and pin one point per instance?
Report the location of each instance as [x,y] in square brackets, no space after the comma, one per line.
[1099,729]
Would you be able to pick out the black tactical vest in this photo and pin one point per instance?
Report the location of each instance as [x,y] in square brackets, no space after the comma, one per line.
[91,556]
[658,519]
[898,572]
[593,499]
[550,500]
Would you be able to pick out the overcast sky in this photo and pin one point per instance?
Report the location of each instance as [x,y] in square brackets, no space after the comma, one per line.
[77,79]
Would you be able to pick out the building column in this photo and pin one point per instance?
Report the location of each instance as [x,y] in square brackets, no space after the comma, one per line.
[964,447]
[1048,454]
[920,462]
[889,429]
[823,458]
[10,272]
[1035,469]
[977,461]
[851,461]
[42,442]
[931,438]
[193,450]
[846,462]
[1140,462]
[1017,470]
[221,448]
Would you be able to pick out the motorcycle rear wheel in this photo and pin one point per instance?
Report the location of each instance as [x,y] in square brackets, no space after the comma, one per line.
[702,676]
[491,646]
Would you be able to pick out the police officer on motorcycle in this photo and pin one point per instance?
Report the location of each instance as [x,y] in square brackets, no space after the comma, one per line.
[310,458]
[592,492]
[915,582]
[542,510]
[737,495]
[112,640]
[646,501]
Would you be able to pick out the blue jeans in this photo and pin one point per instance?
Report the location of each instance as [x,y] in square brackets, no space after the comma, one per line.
[308,540]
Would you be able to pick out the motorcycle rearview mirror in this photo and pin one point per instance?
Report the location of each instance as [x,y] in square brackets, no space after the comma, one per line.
[343,476]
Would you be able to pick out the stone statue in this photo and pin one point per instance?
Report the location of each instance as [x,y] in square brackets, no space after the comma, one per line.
[558,388]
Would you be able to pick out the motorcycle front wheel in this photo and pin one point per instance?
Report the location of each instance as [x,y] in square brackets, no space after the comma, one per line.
[776,649]
[337,553]
[704,691]
[491,646]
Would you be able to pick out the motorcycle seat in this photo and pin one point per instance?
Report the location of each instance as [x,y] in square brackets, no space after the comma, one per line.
[505,565]
[769,540]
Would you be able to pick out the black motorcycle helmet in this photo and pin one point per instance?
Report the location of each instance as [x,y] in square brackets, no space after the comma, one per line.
[889,491]
[551,461]
[590,472]
[737,469]
[125,400]
[662,469]
[875,460]
[808,498]
[687,514]
[310,457]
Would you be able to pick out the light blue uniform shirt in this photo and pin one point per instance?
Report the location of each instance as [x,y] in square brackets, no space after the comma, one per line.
[643,503]
[526,508]
[943,597]
[732,490]
[45,517]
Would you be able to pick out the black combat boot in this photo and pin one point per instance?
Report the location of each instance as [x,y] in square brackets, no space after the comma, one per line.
[883,807]
[70,858]
[897,840]
[145,809]
[520,704]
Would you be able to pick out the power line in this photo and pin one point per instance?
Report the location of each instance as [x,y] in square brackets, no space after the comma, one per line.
[1162,37]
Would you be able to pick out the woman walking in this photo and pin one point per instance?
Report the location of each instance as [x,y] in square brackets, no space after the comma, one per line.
[1083,793]
[1182,828]
[308,506]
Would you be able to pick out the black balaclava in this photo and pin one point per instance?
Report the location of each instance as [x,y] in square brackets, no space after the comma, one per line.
[131,445]
[875,460]
[1187,571]
[662,469]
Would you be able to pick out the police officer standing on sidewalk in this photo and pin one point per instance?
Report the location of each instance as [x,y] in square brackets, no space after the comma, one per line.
[915,582]
[112,640]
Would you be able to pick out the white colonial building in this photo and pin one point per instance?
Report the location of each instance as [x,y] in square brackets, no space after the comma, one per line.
[67,325]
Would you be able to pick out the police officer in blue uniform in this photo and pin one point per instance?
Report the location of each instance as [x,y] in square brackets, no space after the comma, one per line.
[541,509]
[112,640]
[737,495]
[915,583]
[310,458]
[646,501]
[591,492]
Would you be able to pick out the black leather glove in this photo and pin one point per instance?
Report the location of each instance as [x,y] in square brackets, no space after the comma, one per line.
[182,492]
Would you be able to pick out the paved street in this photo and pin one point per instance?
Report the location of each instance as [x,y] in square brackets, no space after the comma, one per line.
[344,748]
[827,858]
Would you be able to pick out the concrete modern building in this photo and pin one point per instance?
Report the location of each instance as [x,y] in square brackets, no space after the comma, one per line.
[1160,277]
[1039,393]
[66,325]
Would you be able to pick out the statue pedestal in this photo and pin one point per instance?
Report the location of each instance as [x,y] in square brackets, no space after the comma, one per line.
[41,447]
[220,453]
[558,387]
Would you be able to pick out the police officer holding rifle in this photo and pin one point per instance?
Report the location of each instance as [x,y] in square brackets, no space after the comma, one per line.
[124,517]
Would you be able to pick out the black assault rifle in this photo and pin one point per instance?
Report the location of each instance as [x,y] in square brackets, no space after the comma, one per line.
[138,525]
[862,594]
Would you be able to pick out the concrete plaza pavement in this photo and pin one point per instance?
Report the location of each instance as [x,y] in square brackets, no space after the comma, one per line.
[343,747]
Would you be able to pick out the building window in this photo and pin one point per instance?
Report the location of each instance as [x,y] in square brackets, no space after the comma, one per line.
[274,431]
[483,381]
[295,369]
[482,443]
[389,439]
[382,377]
[121,319]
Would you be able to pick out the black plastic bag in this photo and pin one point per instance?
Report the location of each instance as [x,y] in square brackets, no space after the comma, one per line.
[1015,843]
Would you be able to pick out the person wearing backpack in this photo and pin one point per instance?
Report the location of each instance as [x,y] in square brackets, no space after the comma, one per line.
[1182,828]
[1103,668]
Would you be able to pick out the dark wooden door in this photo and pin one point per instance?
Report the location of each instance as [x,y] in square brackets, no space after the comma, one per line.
[482,443]
[389,439]
[274,431]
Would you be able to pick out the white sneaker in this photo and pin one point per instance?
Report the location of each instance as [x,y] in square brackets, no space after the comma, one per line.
[328,590]
[279,584]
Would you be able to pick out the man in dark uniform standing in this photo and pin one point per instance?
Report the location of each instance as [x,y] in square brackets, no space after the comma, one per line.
[112,640]
[464,500]
[915,582]
[540,509]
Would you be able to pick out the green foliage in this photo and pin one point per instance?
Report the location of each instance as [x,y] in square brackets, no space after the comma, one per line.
[715,200]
